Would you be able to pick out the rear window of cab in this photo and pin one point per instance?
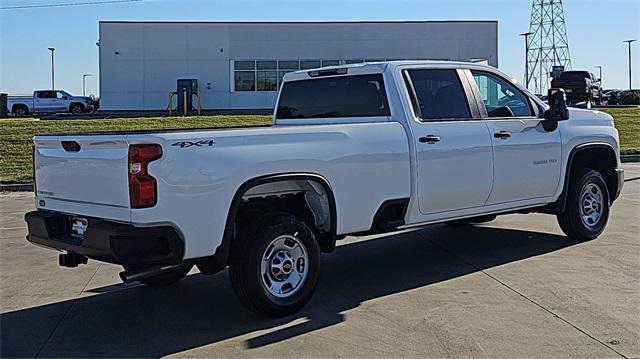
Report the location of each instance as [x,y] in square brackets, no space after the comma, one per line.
[333,97]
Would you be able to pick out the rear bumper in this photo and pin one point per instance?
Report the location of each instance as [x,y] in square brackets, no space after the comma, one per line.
[107,241]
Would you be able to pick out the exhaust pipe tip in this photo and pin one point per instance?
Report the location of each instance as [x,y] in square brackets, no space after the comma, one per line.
[124,277]
[134,275]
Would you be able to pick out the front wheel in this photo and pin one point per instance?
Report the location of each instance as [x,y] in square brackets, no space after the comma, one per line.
[274,269]
[587,210]
[76,108]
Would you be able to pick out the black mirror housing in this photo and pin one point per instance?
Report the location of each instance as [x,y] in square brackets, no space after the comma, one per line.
[558,110]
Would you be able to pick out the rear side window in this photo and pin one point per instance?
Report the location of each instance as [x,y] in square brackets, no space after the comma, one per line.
[439,94]
[331,97]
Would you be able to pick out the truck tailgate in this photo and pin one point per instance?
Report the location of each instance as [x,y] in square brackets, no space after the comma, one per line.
[83,174]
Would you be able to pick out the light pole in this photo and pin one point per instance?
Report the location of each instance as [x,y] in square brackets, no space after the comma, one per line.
[630,42]
[600,68]
[526,57]
[84,76]
[53,71]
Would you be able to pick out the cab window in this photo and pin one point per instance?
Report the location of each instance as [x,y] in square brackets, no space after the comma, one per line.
[438,95]
[46,94]
[333,97]
[500,97]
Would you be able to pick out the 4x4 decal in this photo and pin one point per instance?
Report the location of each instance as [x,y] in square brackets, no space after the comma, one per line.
[201,143]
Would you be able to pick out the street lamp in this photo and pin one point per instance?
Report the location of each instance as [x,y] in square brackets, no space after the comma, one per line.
[53,71]
[630,42]
[526,57]
[84,76]
[600,68]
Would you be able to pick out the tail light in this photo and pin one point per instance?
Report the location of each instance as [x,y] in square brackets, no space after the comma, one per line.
[142,187]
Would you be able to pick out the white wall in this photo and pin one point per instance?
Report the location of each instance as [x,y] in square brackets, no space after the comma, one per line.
[152,55]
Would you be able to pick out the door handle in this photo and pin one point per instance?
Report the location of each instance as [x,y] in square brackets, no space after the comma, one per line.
[502,135]
[429,139]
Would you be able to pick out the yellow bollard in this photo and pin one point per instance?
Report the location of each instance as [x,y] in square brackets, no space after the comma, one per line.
[199,107]
[184,104]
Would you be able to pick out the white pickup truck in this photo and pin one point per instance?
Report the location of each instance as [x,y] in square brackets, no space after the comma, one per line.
[49,101]
[357,149]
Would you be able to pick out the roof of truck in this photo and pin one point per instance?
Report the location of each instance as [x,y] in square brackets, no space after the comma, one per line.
[381,66]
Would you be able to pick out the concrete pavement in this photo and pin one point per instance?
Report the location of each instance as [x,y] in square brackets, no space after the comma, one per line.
[515,287]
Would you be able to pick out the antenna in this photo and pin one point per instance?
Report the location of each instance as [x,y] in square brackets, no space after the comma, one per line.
[548,45]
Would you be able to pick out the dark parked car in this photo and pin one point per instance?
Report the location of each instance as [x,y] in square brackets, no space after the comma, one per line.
[608,94]
[580,86]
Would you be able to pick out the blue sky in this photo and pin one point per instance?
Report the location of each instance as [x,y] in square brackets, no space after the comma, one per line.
[596,30]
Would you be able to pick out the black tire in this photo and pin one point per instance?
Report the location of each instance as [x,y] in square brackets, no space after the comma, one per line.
[571,219]
[164,279]
[20,111]
[257,243]
[76,108]
[472,220]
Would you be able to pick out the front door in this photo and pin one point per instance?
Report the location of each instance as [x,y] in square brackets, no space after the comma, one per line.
[526,157]
[453,148]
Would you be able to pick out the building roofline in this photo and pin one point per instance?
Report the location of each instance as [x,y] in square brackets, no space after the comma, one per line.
[293,22]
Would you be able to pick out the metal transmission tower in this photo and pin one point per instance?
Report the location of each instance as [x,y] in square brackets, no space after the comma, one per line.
[548,45]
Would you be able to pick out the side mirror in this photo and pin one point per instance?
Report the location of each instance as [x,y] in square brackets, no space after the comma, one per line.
[558,110]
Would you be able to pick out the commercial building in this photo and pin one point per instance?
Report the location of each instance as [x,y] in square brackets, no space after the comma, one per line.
[239,65]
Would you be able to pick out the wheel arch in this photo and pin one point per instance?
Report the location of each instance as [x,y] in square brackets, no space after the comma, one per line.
[604,160]
[219,260]
[16,106]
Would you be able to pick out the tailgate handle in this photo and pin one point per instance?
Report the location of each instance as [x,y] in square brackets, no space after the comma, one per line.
[71,146]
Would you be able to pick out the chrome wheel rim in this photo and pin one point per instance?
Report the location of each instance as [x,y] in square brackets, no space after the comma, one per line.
[284,266]
[591,205]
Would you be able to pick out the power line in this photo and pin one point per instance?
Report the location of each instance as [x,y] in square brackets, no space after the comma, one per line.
[67,4]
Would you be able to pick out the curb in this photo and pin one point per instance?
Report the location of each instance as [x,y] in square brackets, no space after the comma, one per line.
[629,158]
[18,187]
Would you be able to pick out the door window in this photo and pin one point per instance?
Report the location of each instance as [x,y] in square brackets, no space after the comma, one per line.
[438,94]
[500,97]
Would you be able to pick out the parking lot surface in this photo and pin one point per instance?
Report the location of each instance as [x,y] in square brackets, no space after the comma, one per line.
[514,287]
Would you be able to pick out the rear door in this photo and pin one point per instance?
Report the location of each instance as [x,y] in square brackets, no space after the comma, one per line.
[44,101]
[526,157]
[452,144]
[85,174]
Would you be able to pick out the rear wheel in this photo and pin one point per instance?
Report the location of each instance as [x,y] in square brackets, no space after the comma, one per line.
[20,111]
[587,210]
[274,268]
[164,279]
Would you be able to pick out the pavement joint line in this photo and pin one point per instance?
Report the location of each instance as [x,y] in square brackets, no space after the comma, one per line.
[66,312]
[526,297]
[12,228]
[632,179]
